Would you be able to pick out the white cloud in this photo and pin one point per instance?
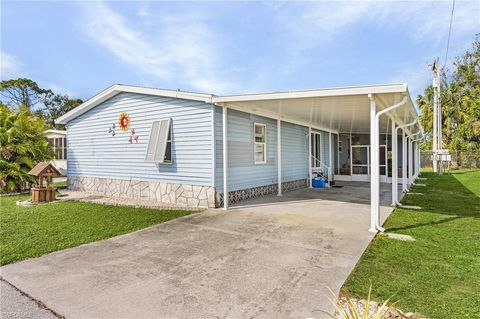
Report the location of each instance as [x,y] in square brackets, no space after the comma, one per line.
[313,25]
[57,89]
[321,21]
[10,66]
[181,49]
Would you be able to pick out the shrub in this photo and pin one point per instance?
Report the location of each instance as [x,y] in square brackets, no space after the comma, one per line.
[347,308]
[22,146]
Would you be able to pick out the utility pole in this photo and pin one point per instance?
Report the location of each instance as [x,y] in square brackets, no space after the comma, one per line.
[437,117]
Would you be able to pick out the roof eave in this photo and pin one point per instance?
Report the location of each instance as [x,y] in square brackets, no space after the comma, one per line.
[344,91]
[119,88]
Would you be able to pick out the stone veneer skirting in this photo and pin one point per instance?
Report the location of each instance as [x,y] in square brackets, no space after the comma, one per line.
[170,194]
[243,194]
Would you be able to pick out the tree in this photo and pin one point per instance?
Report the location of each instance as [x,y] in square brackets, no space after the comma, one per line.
[22,145]
[460,104]
[56,107]
[23,92]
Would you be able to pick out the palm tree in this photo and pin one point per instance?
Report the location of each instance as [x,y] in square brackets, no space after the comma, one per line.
[22,145]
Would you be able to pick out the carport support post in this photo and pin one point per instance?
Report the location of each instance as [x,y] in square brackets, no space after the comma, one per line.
[279,156]
[410,162]
[394,165]
[225,158]
[310,174]
[330,174]
[404,161]
[418,158]
[374,162]
[414,161]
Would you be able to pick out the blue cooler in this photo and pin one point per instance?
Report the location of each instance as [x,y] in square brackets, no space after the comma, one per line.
[319,182]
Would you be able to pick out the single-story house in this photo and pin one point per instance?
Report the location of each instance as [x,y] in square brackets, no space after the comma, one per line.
[57,140]
[204,150]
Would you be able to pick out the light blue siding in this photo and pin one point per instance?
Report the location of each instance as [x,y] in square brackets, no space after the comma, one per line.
[243,173]
[93,152]
[294,152]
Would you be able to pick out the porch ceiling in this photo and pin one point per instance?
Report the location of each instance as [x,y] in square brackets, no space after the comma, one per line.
[340,110]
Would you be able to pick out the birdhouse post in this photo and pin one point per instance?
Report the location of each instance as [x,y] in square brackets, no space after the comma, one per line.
[44,172]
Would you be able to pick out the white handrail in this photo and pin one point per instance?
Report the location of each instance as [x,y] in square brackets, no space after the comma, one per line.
[321,165]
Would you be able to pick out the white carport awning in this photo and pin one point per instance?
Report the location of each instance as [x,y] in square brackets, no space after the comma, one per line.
[338,109]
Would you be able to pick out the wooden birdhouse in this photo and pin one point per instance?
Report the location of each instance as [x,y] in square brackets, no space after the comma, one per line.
[44,172]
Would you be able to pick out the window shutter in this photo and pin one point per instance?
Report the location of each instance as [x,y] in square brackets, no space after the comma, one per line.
[163,129]
[157,142]
[152,141]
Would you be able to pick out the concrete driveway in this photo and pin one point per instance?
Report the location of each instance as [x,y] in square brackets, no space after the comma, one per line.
[268,261]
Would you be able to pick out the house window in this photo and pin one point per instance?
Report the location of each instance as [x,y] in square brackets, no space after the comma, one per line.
[260,143]
[58,145]
[159,149]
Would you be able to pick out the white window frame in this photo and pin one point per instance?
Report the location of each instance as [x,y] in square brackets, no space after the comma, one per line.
[62,149]
[167,142]
[264,144]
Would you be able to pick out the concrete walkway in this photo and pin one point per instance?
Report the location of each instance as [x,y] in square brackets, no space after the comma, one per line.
[14,304]
[262,261]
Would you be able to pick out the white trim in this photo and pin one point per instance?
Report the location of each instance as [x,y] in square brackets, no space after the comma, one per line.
[279,157]
[118,88]
[339,91]
[52,141]
[362,165]
[52,131]
[210,98]
[264,144]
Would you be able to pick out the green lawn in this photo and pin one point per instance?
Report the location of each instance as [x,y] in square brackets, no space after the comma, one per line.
[438,275]
[27,232]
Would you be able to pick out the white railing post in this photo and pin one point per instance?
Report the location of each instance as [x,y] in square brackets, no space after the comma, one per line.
[279,156]
[225,158]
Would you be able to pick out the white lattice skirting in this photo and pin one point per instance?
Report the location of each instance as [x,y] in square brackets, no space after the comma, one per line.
[243,194]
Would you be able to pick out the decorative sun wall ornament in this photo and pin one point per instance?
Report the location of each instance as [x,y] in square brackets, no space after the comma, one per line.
[133,137]
[124,121]
[111,129]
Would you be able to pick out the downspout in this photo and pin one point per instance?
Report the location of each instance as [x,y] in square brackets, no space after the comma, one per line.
[376,180]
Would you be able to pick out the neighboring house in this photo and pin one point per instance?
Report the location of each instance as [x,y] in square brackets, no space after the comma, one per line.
[168,146]
[58,144]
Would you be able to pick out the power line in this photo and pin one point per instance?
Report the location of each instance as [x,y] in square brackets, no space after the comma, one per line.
[449,33]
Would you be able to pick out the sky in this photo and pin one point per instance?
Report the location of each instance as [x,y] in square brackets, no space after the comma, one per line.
[81,48]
